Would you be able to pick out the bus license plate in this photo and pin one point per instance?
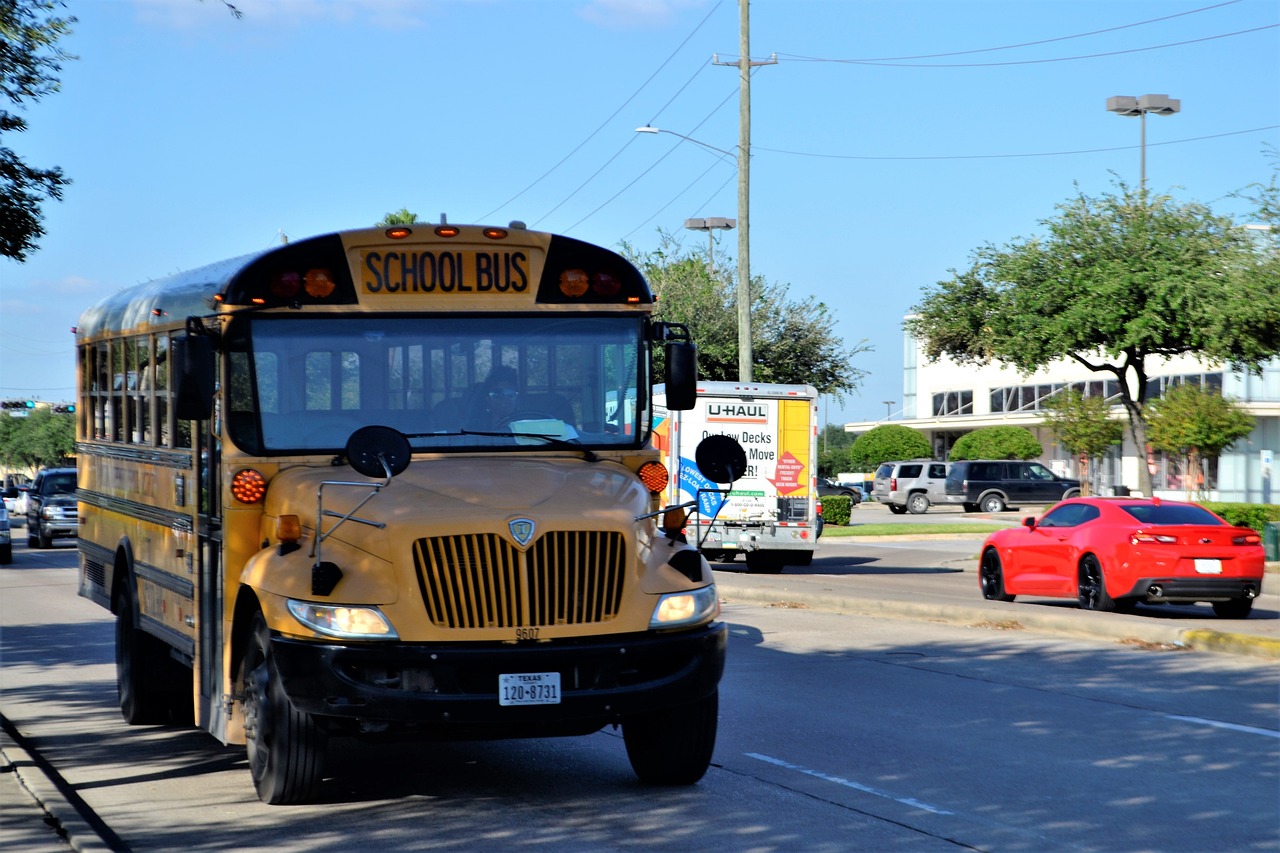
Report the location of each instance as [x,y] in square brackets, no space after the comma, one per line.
[529,688]
[1209,567]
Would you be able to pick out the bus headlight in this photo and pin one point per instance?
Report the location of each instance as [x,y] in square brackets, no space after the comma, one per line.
[347,621]
[681,609]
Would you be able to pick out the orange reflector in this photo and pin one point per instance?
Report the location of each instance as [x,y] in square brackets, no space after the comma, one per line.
[398,233]
[574,283]
[319,284]
[248,486]
[653,475]
[447,231]
[633,300]
[258,300]
[495,233]
[288,528]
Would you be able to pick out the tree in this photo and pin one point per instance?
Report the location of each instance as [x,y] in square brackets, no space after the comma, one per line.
[885,443]
[997,442]
[403,216]
[1084,427]
[833,450]
[1196,424]
[29,62]
[793,342]
[1119,282]
[42,439]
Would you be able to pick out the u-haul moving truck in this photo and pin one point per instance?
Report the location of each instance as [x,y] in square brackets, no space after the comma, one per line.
[771,515]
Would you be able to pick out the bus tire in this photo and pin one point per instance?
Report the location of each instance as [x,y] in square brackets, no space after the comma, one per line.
[141,664]
[286,747]
[672,746]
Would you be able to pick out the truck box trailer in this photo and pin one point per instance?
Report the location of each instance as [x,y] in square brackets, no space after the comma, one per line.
[771,514]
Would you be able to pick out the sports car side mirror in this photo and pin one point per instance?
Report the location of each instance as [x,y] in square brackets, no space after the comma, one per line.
[1029,522]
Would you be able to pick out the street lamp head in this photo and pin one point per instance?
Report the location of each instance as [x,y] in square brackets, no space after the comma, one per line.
[1125,105]
[1128,105]
[710,223]
[647,129]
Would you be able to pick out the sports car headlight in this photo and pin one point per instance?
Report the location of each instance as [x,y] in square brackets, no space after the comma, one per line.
[681,609]
[337,620]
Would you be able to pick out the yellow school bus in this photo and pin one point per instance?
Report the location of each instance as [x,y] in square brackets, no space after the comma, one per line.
[395,480]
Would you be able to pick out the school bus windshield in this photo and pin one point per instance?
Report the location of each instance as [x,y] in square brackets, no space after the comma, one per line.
[448,382]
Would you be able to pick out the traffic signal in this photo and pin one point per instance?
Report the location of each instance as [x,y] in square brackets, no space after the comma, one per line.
[17,404]
[65,408]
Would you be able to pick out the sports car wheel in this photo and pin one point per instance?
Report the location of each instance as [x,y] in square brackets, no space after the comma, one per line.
[991,577]
[1092,588]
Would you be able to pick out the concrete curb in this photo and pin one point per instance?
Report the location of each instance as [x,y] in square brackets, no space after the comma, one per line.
[1116,627]
[33,780]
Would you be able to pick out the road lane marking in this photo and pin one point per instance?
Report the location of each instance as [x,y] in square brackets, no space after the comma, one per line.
[857,786]
[1218,724]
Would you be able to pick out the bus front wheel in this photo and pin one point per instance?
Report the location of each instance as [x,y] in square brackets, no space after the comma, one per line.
[286,747]
[673,746]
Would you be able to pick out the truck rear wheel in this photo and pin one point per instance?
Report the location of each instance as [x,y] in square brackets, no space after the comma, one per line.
[673,746]
[286,747]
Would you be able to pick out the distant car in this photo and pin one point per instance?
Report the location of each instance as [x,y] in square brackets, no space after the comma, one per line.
[52,511]
[19,510]
[10,497]
[993,485]
[827,488]
[1112,553]
[6,544]
[911,485]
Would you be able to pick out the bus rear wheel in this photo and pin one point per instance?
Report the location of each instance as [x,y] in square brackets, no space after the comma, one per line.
[286,747]
[149,684]
[673,746]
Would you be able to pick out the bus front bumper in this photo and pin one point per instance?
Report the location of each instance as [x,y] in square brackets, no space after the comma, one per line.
[454,686]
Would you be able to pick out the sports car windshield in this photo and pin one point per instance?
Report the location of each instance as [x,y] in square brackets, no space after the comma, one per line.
[302,384]
[1170,514]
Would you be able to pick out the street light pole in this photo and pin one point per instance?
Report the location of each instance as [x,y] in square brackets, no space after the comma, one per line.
[888,410]
[1128,105]
[710,224]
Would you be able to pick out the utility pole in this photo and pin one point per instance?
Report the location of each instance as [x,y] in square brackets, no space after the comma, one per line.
[744,64]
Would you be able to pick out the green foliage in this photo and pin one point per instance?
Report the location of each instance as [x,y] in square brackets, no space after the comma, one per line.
[29,62]
[833,451]
[837,509]
[885,443]
[1117,281]
[403,216]
[1190,418]
[792,341]
[1255,516]
[42,439]
[1082,424]
[997,442]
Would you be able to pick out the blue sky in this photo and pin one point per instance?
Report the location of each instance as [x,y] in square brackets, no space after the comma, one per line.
[192,136]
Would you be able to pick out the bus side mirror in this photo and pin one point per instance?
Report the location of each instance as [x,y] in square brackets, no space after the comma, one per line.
[682,375]
[192,373]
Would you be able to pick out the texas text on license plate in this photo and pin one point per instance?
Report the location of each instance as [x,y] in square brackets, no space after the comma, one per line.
[1209,567]
[529,688]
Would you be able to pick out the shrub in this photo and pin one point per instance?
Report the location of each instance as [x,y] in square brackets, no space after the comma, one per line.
[1246,515]
[885,443]
[836,509]
[997,442]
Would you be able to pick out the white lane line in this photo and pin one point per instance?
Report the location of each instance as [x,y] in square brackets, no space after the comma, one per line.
[1218,724]
[857,786]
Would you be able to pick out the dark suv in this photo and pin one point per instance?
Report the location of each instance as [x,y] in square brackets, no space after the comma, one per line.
[52,512]
[993,485]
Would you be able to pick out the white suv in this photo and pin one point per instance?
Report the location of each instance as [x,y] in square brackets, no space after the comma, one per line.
[910,486]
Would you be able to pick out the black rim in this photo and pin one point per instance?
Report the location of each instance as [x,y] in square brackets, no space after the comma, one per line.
[1090,584]
[990,576]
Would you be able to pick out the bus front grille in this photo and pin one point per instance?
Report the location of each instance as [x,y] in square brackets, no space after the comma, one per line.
[483,581]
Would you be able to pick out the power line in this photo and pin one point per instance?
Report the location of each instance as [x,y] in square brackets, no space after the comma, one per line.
[1027,61]
[1009,156]
[1032,43]
[609,119]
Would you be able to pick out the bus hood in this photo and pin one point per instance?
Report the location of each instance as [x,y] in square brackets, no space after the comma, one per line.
[464,495]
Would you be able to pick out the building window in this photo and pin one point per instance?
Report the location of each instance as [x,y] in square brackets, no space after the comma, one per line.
[952,403]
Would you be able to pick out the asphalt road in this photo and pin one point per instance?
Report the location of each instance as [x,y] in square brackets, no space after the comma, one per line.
[873,701]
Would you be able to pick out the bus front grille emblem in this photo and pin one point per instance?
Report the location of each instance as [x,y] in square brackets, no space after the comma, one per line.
[521,530]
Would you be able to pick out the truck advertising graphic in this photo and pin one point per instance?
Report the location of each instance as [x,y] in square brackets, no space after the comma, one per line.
[770,516]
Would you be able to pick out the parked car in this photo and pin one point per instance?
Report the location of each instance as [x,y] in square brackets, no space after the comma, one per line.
[6,542]
[827,488]
[10,497]
[993,485]
[1111,553]
[52,512]
[911,485]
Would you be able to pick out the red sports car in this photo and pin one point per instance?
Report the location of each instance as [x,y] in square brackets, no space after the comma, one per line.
[1110,553]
